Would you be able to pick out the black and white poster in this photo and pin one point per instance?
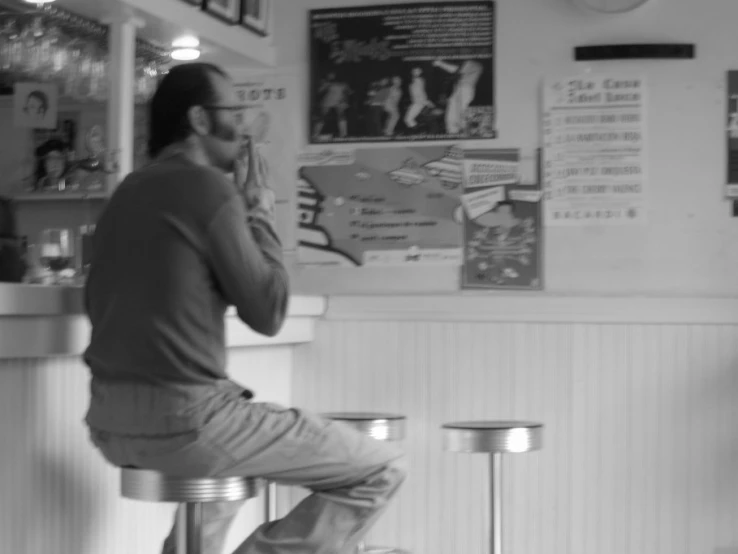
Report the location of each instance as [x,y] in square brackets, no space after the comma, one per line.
[403,72]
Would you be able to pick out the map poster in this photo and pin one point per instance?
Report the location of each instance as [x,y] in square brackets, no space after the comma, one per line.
[594,150]
[731,189]
[380,206]
[502,223]
[403,72]
[270,101]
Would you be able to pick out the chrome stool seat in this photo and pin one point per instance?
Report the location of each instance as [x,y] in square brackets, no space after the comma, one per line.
[377,425]
[190,493]
[380,426]
[494,438]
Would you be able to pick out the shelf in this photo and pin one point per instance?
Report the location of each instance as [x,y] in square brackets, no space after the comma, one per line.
[59,197]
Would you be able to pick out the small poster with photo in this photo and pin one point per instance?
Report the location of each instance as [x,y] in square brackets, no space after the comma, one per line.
[227,10]
[503,239]
[35,105]
[255,15]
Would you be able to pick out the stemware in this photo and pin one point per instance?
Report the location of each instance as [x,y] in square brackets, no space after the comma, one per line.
[56,250]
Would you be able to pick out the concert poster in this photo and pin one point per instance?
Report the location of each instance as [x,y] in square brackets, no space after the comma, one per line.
[403,72]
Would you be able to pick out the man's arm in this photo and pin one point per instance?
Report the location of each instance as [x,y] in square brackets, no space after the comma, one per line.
[247,262]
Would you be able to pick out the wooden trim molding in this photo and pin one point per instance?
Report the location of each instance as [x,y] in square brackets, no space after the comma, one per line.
[531,308]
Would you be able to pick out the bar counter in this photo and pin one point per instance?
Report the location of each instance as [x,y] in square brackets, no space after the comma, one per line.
[39,321]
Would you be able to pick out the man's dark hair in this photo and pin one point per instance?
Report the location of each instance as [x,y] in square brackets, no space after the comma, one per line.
[41,97]
[185,86]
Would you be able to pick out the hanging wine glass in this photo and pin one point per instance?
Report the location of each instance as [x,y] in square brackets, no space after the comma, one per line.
[6,42]
[138,82]
[71,72]
[31,53]
[51,53]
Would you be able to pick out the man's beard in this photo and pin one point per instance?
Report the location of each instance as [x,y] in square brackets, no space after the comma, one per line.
[225,133]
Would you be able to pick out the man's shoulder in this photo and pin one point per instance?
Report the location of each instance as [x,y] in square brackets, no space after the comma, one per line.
[192,180]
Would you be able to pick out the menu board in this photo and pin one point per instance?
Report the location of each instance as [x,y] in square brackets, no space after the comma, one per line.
[380,206]
[594,150]
[403,72]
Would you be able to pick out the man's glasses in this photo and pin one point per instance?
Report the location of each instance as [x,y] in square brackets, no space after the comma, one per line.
[225,108]
[238,110]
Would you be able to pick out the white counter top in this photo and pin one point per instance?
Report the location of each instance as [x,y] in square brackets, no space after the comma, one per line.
[41,321]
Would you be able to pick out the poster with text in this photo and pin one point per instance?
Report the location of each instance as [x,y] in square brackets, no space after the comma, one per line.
[403,72]
[594,150]
[502,223]
[380,206]
[270,101]
[731,189]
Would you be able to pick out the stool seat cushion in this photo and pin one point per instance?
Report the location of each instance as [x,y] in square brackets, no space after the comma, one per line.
[378,425]
[152,486]
[492,436]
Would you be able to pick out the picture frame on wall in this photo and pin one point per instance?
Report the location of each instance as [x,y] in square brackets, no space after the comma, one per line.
[256,15]
[225,10]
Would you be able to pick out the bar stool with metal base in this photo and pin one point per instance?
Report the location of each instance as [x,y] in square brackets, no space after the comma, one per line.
[379,426]
[495,438]
[190,493]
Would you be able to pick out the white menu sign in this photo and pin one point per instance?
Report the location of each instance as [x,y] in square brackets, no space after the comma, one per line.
[593,155]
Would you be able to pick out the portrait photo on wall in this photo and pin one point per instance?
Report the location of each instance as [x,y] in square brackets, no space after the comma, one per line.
[52,149]
[256,15]
[35,105]
[226,10]
[403,72]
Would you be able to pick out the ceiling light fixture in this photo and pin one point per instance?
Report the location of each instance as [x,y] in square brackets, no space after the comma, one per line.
[185,54]
[187,41]
[186,48]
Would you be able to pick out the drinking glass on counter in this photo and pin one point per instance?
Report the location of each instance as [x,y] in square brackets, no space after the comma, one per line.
[56,251]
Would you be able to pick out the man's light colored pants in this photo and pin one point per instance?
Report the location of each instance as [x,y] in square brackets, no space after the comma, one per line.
[351,476]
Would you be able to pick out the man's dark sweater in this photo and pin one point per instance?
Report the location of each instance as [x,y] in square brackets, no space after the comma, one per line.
[173,249]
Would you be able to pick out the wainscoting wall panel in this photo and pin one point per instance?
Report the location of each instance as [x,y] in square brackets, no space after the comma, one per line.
[56,492]
[641,440]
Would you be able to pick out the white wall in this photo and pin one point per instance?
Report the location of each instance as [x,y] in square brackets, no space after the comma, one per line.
[687,247]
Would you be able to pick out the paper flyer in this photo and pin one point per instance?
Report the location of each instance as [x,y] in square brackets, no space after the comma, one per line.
[594,150]
[502,223]
[382,206]
[403,72]
[271,108]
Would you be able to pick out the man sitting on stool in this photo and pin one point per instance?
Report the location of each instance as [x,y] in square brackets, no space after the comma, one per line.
[177,243]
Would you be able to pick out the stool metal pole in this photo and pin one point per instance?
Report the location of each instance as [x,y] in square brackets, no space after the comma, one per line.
[495,495]
[270,501]
[193,517]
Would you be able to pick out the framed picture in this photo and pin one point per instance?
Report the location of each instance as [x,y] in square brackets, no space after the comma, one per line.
[35,105]
[227,10]
[255,15]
